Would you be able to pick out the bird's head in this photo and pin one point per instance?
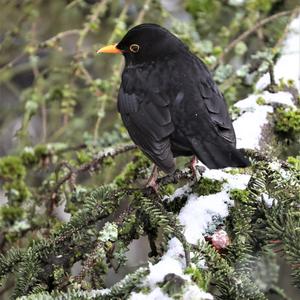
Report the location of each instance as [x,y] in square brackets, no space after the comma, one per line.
[146,42]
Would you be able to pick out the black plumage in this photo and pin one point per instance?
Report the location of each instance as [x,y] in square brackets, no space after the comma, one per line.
[170,104]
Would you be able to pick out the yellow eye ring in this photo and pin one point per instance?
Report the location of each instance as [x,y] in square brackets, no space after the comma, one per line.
[134,48]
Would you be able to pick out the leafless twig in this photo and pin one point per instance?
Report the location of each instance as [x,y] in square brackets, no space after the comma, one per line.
[92,165]
[248,32]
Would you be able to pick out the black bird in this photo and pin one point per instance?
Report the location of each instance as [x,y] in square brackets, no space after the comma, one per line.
[170,104]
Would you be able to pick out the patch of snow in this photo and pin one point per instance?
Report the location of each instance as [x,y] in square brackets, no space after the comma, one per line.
[288,65]
[250,124]
[268,200]
[237,181]
[192,292]
[275,165]
[248,127]
[284,98]
[172,262]
[250,104]
[96,293]
[156,294]
[199,212]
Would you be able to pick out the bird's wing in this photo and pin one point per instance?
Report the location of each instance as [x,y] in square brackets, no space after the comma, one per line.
[148,121]
[201,113]
[216,107]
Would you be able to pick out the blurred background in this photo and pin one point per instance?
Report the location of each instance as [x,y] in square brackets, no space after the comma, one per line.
[58,98]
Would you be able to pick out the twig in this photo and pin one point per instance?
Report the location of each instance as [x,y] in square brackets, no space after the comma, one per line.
[36,73]
[97,11]
[293,15]
[101,112]
[56,38]
[248,32]
[92,165]
[142,13]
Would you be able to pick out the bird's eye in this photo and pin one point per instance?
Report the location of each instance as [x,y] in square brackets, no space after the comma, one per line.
[134,48]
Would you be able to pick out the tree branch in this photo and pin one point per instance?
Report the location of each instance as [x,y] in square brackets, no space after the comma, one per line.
[248,32]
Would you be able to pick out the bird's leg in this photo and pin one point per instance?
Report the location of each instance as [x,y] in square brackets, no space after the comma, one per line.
[196,170]
[152,180]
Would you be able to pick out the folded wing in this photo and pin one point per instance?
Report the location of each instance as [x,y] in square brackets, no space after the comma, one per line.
[148,121]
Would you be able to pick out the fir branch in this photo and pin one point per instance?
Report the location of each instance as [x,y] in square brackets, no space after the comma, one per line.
[158,216]
[120,290]
[231,284]
[10,261]
[90,166]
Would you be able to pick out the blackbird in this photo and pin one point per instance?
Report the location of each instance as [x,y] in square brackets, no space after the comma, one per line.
[170,104]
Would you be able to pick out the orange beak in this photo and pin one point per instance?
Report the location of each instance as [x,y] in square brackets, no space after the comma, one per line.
[110,49]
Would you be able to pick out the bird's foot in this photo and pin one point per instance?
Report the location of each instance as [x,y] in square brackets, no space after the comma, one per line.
[196,169]
[152,181]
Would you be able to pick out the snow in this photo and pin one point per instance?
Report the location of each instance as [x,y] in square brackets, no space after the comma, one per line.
[250,103]
[248,127]
[268,200]
[237,181]
[192,292]
[172,262]
[155,294]
[288,65]
[199,212]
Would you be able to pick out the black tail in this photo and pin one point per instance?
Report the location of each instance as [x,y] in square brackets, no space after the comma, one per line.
[219,154]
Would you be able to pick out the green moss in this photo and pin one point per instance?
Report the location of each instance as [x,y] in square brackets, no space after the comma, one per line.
[16,191]
[134,170]
[207,186]
[287,122]
[239,195]
[9,214]
[29,157]
[284,85]
[234,171]
[13,172]
[41,151]
[260,101]
[83,156]
[108,161]
[294,161]
[168,189]
[234,111]
[199,276]
[11,168]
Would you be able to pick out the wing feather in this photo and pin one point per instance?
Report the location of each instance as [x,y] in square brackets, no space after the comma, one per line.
[149,125]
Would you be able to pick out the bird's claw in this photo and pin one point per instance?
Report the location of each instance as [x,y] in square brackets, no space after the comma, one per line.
[197,170]
[152,182]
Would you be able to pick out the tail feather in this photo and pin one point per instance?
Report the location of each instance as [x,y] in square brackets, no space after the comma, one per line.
[218,155]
